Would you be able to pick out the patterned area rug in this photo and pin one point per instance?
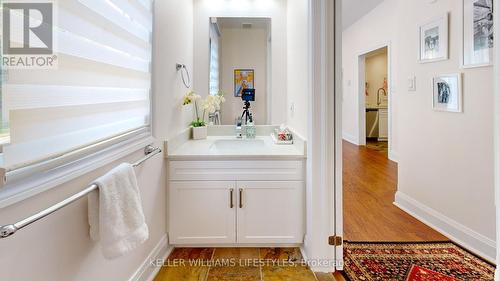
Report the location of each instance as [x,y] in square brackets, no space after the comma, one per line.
[418,273]
[441,261]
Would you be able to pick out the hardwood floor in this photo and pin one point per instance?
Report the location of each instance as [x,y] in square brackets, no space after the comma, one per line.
[370,183]
[338,276]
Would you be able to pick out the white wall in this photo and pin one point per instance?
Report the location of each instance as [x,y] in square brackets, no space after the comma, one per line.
[274,9]
[298,68]
[376,70]
[59,247]
[244,48]
[445,159]
[174,44]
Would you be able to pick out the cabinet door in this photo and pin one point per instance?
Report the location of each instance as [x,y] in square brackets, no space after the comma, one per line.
[270,212]
[201,212]
[383,125]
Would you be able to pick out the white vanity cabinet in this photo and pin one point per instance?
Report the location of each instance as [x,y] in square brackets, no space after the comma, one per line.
[270,212]
[200,212]
[236,202]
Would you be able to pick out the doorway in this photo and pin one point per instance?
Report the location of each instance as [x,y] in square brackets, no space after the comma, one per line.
[374,100]
[370,181]
[370,169]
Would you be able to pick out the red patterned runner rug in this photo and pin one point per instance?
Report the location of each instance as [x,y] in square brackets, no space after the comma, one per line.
[418,273]
[433,261]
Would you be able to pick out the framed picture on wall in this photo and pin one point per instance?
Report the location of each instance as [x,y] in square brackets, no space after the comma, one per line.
[243,79]
[434,40]
[478,25]
[447,93]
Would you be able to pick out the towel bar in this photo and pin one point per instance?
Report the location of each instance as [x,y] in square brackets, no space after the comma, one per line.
[8,230]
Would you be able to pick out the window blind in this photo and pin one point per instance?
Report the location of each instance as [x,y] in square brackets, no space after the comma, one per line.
[214,59]
[99,90]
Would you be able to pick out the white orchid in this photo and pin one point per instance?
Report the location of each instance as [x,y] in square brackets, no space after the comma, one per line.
[220,96]
[211,104]
[190,98]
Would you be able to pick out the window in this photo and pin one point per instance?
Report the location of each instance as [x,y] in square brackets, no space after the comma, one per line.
[98,95]
[214,57]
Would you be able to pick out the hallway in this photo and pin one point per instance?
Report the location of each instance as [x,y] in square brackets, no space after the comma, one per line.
[369,185]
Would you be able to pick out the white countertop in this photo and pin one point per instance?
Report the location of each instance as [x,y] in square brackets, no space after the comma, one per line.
[376,107]
[231,148]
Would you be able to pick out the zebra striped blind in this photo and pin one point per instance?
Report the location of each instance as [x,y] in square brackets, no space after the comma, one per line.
[99,91]
[214,58]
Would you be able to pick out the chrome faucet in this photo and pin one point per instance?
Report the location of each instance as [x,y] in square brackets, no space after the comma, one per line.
[214,118]
[378,95]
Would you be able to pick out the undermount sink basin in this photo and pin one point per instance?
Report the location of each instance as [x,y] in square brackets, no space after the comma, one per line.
[236,144]
[230,147]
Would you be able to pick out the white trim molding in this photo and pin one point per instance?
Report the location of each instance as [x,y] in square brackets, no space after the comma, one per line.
[393,155]
[338,195]
[320,183]
[31,186]
[497,129]
[148,269]
[350,138]
[457,232]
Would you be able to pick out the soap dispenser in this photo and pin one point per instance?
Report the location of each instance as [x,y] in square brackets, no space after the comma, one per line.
[238,129]
[250,129]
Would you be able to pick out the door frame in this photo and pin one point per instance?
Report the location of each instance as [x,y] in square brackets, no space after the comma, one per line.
[496,126]
[338,99]
[361,78]
[322,136]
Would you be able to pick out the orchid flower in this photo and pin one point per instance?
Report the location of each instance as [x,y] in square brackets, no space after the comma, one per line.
[211,104]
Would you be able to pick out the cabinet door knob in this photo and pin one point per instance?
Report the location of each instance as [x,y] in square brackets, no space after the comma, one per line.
[241,198]
[231,196]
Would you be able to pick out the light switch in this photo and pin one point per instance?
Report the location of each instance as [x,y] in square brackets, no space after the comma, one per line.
[292,109]
[412,84]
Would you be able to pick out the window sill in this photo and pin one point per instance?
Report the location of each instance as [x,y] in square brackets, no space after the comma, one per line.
[13,193]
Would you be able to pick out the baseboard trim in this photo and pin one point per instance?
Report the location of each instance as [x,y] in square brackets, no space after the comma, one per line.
[350,138]
[393,156]
[147,272]
[303,252]
[459,233]
[314,265]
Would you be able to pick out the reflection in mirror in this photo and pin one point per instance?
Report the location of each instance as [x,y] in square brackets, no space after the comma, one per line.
[240,54]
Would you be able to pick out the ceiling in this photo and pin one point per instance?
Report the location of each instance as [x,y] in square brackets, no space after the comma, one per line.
[353,10]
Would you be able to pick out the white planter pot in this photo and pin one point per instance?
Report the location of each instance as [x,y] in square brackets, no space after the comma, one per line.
[199,133]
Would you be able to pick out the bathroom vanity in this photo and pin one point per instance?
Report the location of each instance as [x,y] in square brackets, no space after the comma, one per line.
[235,192]
[230,191]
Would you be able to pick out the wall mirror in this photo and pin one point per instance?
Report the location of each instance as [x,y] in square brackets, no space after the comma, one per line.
[240,67]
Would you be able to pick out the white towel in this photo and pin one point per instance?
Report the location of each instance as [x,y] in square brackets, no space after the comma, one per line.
[116,217]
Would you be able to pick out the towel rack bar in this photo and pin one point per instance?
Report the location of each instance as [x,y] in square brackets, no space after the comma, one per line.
[11,229]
